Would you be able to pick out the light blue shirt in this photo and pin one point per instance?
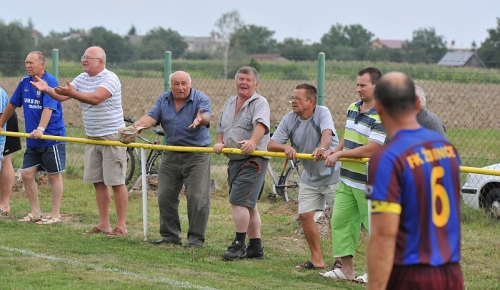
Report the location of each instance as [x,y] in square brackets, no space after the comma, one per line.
[3,104]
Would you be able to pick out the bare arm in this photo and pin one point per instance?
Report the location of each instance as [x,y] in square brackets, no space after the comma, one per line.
[381,248]
[326,139]
[275,146]
[219,143]
[364,151]
[248,146]
[145,121]
[94,98]
[202,119]
[44,121]
[42,86]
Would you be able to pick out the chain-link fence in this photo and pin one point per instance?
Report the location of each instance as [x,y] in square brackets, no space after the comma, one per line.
[465,104]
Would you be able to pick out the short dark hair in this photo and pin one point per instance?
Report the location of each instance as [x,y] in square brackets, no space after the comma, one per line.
[396,94]
[311,91]
[374,73]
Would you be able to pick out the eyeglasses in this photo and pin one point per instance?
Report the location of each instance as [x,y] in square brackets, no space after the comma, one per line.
[88,57]
[296,99]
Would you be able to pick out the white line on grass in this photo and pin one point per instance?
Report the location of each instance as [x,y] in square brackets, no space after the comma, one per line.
[172,282]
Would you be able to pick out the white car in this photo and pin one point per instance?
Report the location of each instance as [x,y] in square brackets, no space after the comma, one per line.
[483,191]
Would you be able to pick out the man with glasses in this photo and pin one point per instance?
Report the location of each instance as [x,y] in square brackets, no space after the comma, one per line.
[99,92]
[42,115]
[309,128]
[363,135]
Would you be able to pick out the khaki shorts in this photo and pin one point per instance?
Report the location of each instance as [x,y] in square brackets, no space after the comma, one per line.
[104,163]
[312,198]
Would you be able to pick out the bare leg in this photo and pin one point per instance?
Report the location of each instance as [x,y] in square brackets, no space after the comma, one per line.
[103,198]
[348,268]
[121,204]
[312,236]
[56,184]
[241,218]
[30,186]
[254,224]
[7,176]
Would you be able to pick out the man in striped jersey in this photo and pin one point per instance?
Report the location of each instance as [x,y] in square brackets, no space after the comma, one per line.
[363,135]
[99,92]
[414,185]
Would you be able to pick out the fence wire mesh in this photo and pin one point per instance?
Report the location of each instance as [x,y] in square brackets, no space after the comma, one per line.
[465,100]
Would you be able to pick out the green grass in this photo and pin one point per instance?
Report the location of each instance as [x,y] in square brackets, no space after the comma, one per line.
[61,257]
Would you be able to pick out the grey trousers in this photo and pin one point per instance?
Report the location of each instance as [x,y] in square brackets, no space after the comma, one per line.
[192,170]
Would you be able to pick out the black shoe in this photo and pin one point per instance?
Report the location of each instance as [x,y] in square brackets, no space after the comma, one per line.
[162,241]
[237,250]
[255,253]
[189,245]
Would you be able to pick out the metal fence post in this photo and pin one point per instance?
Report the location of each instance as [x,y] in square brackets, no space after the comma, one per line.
[321,78]
[166,70]
[55,62]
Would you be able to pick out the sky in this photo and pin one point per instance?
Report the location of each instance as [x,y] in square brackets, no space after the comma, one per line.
[463,21]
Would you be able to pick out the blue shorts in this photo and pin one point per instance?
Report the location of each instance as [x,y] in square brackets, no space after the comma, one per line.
[51,159]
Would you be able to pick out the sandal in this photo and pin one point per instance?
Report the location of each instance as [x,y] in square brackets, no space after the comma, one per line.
[95,230]
[307,266]
[49,221]
[31,218]
[118,232]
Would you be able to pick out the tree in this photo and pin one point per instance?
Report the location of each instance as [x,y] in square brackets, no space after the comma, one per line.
[15,45]
[295,49]
[346,42]
[350,35]
[225,27]
[426,46]
[489,52]
[159,40]
[132,31]
[117,48]
[254,39]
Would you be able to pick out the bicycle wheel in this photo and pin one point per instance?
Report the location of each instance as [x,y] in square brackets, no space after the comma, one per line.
[291,181]
[154,164]
[130,165]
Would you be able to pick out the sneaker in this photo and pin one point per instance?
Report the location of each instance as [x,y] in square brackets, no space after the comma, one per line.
[255,253]
[236,251]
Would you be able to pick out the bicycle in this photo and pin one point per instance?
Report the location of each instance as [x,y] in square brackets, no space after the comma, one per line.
[153,157]
[286,184]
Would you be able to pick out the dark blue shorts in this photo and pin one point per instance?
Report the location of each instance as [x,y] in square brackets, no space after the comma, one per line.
[51,159]
[246,178]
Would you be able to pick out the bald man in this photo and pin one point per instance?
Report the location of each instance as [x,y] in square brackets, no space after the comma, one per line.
[414,185]
[99,92]
[184,114]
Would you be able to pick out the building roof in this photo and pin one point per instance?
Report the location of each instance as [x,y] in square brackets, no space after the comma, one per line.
[389,43]
[458,58]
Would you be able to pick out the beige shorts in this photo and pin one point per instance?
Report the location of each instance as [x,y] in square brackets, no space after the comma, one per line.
[313,198]
[104,163]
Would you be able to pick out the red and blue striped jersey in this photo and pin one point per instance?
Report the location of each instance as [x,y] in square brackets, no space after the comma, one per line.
[417,175]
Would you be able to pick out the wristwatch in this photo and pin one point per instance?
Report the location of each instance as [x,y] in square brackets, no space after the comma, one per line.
[41,129]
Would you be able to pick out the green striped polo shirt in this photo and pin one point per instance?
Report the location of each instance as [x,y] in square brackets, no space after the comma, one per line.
[359,129]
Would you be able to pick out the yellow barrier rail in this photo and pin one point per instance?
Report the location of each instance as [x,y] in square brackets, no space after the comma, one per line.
[465,169]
